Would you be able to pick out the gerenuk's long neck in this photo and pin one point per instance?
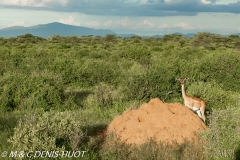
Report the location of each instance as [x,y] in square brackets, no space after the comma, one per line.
[183,92]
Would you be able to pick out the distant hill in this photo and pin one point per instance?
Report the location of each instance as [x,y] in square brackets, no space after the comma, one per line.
[46,30]
[158,36]
[185,35]
[55,28]
[237,34]
[126,35]
[189,35]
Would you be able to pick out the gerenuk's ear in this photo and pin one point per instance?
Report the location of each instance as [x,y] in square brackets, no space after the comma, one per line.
[177,79]
[186,79]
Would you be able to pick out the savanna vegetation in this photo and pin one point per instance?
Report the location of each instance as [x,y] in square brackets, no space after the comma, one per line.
[60,93]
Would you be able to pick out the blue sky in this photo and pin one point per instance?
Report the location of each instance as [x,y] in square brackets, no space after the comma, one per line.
[143,17]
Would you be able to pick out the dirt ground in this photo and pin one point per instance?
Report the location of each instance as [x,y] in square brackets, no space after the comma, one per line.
[157,121]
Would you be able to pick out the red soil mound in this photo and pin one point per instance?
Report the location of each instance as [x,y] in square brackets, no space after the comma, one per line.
[158,121]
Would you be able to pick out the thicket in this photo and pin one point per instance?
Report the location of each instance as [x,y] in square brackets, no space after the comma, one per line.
[85,81]
[49,131]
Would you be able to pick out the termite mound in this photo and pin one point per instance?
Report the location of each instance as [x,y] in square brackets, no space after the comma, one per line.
[158,121]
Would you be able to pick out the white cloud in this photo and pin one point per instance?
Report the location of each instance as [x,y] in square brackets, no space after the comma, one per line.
[131,24]
[145,24]
[20,3]
[180,26]
[32,3]
[92,24]
[17,23]
[63,2]
[184,25]
[226,1]
[108,23]
[148,24]
[70,20]
[167,1]
[126,22]
[164,26]
[206,1]
[143,1]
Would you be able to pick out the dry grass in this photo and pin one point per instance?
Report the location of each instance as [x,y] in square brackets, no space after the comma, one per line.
[113,148]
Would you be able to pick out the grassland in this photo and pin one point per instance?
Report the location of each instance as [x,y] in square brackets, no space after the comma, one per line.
[60,93]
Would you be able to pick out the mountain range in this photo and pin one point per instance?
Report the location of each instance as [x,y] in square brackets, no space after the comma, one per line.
[55,28]
[46,30]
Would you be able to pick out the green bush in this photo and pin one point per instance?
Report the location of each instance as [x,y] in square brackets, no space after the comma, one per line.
[223,139]
[7,122]
[67,68]
[212,93]
[47,131]
[141,54]
[110,37]
[106,75]
[156,82]
[104,96]
[42,90]
[95,71]
[222,67]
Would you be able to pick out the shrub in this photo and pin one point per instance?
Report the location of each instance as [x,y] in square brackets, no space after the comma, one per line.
[140,54]
[95,71]
[47,131]
[212,93]
[155,82]
[7,122]
[223,68]
[110,37]
[223,139]
[104,96]
[40,90]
